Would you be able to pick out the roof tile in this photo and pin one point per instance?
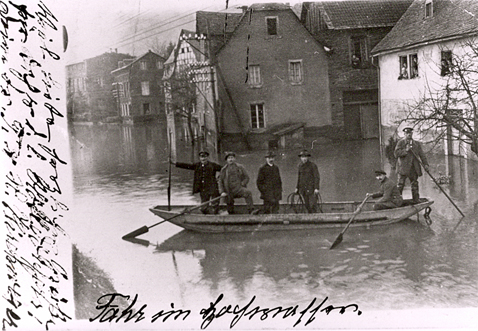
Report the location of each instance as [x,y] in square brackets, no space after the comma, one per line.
[450,18]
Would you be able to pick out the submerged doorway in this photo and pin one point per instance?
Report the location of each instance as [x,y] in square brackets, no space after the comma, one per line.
[361,119]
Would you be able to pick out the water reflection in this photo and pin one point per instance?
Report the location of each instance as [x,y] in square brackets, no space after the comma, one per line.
[119,172]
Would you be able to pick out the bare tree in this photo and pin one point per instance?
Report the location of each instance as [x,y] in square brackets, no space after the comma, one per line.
[183,100]
[450,111]
[161,47]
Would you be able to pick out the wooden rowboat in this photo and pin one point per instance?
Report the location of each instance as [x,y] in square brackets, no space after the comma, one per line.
[333,215]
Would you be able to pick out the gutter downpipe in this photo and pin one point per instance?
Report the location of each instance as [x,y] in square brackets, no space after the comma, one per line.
[380,130]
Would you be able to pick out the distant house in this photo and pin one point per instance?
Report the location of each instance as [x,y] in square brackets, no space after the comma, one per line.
[272,80]
[137,87]
[89,87]
[414,57]
[190,93]
[350,29]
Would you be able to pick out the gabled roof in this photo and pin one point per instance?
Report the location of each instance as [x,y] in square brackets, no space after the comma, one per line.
[214,23]
[137,59]
[353,14]
[451,19]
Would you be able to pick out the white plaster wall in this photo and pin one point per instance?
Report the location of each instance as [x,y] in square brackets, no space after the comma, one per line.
[397,96]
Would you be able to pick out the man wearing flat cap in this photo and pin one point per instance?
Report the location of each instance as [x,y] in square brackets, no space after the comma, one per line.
[269,184]
[205,182]
[389,195]
[308,182]
[233,181]
[407,152]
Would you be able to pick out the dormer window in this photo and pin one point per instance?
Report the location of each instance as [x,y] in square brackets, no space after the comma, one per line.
[271,23]
[428,8]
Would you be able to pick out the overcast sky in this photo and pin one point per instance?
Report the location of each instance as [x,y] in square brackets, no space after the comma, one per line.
[131,26]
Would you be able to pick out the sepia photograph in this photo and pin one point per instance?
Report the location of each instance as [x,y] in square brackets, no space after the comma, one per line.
[239,164]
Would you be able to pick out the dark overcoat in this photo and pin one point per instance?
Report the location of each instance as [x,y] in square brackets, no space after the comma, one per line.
[388,192]
[309,178]
[269,183]
[406,161]
[204,175]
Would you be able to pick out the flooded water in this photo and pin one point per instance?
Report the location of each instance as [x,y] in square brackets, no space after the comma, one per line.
[120,172]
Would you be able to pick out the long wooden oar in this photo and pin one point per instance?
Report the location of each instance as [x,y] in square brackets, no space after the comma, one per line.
[340,237]
[145,228]
[441,189]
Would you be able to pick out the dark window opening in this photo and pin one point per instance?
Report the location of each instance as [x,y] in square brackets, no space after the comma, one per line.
[257,116]
[403,67]
[428,9]
[271,26]
[146,109]
[445,63]
[358,52]
[413,65]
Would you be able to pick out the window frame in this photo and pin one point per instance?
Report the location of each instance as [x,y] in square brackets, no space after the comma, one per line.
[255,112]
[292,75]
[409,73]
[143,65]
[159,64]
[363,51]
[445,69]
[252,78]
[276,26]
[428,8]
[145,88]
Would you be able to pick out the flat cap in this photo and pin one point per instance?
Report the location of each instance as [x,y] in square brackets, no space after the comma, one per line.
[203,153]
[270,155]
[380,172]
[229,154]
[408,129]
[304,153]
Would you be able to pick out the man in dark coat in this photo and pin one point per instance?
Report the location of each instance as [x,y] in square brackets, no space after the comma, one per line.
[390,196]
[270,185]
[308,182]
[407,152]
[205,182]
[233,181]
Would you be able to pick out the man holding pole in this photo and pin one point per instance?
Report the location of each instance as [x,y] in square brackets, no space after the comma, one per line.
[408,152]
[205,182]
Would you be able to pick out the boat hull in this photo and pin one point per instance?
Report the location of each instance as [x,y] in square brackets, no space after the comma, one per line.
[335,215]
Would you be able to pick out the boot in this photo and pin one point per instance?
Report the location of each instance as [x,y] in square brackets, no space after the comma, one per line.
[415,197]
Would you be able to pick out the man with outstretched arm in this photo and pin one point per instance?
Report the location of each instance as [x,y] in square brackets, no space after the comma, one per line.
[205,181]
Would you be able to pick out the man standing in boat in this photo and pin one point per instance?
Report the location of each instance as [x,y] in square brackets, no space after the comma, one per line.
[205,181]
[269,184]
[407,152]
[390,196]
[233,181]
[308,182]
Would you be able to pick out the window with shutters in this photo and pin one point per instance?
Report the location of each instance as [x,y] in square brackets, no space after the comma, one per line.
[295,71]
[143,65]
[257,116]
